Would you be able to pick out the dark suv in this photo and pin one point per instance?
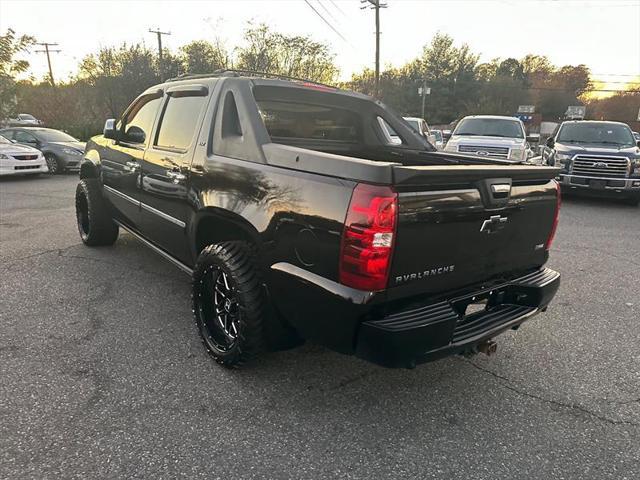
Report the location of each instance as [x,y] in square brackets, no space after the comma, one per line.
[601,158]
[299,217]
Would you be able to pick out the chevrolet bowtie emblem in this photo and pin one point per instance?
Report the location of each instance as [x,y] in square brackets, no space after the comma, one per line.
[493,224]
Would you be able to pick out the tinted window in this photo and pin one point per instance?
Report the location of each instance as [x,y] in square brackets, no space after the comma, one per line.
[307,121]
[143,114]
[26,116]
[489,127]
[607,133]
[23,137]
[179,122]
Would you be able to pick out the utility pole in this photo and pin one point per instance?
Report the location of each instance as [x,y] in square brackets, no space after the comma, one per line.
[47,51]
[376,5]
[160,65]
[424,91]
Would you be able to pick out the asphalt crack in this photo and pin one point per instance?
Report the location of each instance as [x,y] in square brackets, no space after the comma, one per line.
[38,254]
[508,384]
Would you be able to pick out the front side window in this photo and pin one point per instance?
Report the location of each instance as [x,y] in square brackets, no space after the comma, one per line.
[139,121]
[24,137]
[489,127]
[605,133]
[304,121]
[179,122]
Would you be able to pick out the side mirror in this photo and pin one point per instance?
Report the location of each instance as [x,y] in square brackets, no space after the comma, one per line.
[638,143]
[550,142]
[135,134]
[110,129]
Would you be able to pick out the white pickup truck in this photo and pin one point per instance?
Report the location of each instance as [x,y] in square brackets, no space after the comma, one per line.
[490,136]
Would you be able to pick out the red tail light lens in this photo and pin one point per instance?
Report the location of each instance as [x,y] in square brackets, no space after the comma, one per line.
[368,238]
[554,226]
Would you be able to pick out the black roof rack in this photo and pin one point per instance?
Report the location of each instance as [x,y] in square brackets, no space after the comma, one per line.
[228,72]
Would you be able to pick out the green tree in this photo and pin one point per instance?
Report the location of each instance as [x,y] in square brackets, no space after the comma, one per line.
[201,56]
[10,66]
[295,56]
[120,74]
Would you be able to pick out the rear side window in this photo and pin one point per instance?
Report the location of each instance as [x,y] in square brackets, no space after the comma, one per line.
[179,122]
[307,121]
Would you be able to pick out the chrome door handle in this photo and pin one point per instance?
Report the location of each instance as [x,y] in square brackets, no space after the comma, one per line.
[132,166]
[176,176]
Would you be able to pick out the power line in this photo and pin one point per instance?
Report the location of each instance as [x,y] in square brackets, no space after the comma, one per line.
[607,81]
[160,65]
[337,7]
[616,74]
[327,10]
[326,21]
[46,50]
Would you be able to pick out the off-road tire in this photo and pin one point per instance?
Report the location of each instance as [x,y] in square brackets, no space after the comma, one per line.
[93,215]
[236,260]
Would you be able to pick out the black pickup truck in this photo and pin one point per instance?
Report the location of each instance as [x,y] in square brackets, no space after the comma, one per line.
[299,217]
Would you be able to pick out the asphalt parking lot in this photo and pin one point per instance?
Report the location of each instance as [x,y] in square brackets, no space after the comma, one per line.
[102,373]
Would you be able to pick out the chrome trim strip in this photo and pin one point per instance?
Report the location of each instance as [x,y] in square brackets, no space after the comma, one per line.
[159,251]
[118,193]
[163,215]
[146,207]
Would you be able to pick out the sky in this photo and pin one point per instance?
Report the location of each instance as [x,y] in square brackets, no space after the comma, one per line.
[604,34]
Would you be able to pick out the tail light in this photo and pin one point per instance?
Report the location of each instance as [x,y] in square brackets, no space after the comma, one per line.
[554,226]
[368,238]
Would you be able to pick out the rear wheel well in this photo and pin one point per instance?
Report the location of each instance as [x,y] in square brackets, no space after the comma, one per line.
[213,231]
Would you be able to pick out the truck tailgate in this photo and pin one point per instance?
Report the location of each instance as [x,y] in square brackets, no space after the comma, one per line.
[459,225]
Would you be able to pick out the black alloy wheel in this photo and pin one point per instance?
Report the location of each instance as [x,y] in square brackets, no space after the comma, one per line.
[229,303]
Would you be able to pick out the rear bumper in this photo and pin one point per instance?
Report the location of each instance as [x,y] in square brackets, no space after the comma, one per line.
[352,322]
[428,332]
[600,185]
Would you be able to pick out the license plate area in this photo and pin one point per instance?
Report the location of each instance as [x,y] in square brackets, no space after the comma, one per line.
[598,184]
[478,303]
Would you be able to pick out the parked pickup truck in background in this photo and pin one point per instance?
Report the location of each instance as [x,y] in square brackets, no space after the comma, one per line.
[299,218]
[490,136]
[601,158]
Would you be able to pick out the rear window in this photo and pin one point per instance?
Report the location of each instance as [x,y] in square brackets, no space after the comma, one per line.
[306,121]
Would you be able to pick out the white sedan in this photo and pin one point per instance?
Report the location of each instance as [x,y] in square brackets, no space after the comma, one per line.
[20,159]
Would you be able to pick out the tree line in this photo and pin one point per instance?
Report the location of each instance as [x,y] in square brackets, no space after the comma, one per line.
[108,80]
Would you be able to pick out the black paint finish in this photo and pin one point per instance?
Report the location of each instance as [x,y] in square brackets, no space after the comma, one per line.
[290,201]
